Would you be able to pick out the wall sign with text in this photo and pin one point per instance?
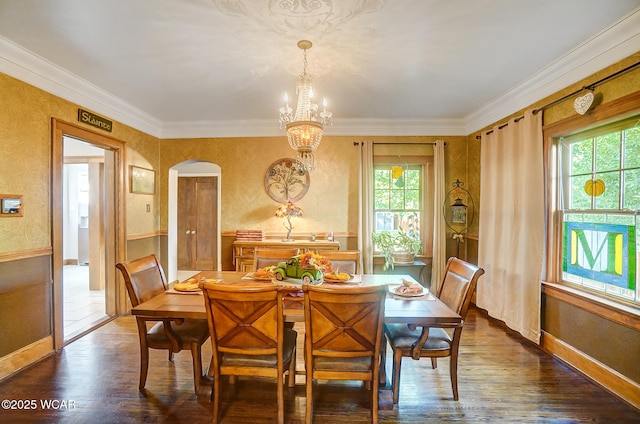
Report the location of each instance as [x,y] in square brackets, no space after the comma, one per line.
[94,120]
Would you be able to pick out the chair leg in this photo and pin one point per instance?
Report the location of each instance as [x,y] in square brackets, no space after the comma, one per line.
[434,363]
[291,378]
[144,367]
[308,418]
[280,392]
[215,394]
[375,397]
[170,355]
[395,380]
[196,355]
[453,371]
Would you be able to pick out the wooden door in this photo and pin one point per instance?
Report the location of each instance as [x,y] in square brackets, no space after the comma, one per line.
[197,223]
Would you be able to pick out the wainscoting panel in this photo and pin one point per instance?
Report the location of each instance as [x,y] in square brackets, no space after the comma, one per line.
[25,302]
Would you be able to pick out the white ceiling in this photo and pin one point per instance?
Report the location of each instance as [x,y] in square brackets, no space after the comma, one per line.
[209,68]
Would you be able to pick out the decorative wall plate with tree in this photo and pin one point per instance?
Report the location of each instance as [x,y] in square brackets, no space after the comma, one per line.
[286,181]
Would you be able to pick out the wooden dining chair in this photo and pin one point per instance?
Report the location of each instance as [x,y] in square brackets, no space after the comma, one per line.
[144,279]
[264,257]
[343,337]
[343,260]
[248,337]
[456,290]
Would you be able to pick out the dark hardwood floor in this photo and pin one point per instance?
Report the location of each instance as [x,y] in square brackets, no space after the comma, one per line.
[502,378]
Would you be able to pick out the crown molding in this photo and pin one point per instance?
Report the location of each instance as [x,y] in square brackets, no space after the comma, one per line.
[217,129]
[399,127]
[344,127]
[611,45]
[27,66]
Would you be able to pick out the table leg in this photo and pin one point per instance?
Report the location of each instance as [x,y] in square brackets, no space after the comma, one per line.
[385,394]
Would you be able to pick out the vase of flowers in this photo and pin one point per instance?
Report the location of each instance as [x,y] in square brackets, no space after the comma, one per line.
[312,260]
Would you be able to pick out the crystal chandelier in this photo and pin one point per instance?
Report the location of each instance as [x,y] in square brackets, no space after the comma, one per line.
[304,129]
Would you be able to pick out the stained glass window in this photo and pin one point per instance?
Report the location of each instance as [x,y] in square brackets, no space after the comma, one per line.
[600,199]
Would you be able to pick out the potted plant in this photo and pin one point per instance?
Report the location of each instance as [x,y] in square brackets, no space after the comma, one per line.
[398,247]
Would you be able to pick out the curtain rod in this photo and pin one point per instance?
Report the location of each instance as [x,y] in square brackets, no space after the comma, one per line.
[590,87]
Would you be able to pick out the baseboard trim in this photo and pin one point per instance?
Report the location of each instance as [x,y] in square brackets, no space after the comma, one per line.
[16,361]
[611,380]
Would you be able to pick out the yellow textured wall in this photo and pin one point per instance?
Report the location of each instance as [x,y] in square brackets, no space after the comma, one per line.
[25,162]
[243,163]
[331,204]
[143,151]
[25,115]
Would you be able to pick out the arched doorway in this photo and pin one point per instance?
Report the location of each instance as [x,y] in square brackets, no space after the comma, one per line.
[196,169]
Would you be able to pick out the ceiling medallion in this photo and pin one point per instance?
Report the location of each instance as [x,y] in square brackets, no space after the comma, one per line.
[305,126]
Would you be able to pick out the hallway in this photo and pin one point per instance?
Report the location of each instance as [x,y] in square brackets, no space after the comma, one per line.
[83,308]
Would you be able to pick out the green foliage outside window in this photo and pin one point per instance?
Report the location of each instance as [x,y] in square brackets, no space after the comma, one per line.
[397,201]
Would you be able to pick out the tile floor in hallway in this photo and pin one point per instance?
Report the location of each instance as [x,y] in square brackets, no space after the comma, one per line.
[83,308]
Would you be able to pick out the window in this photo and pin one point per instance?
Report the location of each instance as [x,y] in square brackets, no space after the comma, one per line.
[599,188]
[397,197]
[403,196]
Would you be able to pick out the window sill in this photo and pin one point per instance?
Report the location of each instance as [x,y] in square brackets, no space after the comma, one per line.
[620,313]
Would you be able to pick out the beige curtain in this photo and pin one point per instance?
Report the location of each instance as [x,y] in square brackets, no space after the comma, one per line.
[439,231]
[511,229]
[365,201]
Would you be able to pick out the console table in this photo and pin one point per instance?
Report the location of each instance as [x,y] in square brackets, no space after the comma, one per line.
[243,251]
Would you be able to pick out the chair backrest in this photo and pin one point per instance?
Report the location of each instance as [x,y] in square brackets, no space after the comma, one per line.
[244,320]
[263,257]
[343,260]
[344,322]
[143,277]
[458,284]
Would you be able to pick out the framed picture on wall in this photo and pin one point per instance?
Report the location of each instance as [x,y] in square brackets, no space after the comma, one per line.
[142,180]
[10,205]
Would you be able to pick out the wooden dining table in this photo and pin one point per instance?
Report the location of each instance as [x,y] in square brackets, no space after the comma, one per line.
[425,310]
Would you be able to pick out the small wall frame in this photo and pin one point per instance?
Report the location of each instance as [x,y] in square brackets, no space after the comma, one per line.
[10,205]
[142,180]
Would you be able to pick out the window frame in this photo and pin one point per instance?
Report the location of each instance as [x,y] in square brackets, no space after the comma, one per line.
[426,187]
[613,111]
